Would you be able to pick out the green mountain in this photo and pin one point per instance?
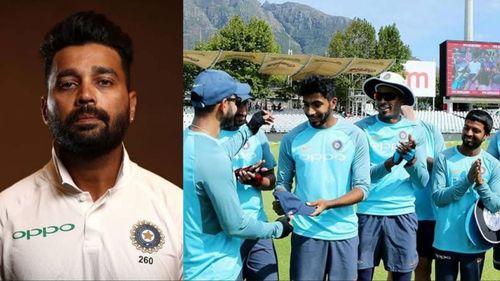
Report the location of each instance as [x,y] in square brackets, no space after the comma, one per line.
[296,26]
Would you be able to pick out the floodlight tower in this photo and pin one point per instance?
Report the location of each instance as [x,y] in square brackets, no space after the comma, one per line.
[469,20]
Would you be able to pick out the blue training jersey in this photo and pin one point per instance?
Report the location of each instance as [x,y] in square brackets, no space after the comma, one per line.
[454,195]
[213,219]
[424,207]
[255,149]
[494,146]
[392,193]
[327,164]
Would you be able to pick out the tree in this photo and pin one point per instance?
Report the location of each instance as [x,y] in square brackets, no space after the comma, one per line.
[358,41]
[236,35]
[390,46]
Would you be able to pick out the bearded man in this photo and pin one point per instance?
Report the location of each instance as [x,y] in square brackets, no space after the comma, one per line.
[90,213]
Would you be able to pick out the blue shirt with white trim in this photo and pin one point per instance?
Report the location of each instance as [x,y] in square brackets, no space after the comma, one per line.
[454,195]
[255,149]
[392,193]
[213,219]
[327,164]
[424,207]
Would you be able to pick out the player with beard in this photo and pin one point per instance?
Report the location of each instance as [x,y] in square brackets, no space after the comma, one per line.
[258,255]
[463,174]
[90,213]
[328,157]
[213,219]
[387,219]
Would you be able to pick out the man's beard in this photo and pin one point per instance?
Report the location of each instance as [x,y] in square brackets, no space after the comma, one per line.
[227,121]
[473,144]
[80,141]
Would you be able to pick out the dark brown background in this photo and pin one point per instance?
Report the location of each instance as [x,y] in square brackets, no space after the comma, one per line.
[153,141]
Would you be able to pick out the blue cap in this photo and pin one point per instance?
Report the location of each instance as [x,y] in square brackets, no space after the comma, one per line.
[212,86]
[473,231]
[292,204]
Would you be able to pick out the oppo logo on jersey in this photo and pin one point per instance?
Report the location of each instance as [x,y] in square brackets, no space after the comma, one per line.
[384,147]
[43,232]
[322,157]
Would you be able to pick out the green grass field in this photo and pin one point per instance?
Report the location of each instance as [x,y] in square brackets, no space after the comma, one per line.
[283,245]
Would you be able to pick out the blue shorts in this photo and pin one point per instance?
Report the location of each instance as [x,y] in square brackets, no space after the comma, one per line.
[259,259]
[390,238]
[449,263]
[317,259]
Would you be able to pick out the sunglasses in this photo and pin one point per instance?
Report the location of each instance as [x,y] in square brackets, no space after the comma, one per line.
[387,96]
[236,100]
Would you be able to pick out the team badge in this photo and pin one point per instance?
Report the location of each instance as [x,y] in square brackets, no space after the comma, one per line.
[386,76]
[337,145]
[147,237]
[403,135]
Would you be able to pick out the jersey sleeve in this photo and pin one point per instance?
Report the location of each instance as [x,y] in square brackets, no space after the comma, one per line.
[234,143]
[442,193]
[493,146]
[222,193]
[286,164]
[361,164]
[489,192]
[419,175]
[438,140]
[266,151]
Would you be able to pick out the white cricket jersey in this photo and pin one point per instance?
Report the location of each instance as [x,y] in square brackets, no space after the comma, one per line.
[50,229]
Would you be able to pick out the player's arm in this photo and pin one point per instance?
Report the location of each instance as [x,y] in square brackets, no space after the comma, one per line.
[493,146]
[442,193]
[221,190]
[438,147]
[233,144]
[417,168]
[286,165]
[257,176]
[269,179]
[489,192]
[264,178]
[360,180]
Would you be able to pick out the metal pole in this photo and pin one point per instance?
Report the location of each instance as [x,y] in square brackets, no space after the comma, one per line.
[469,20]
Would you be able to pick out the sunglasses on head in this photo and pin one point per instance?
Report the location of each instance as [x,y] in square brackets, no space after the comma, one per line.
[387,96]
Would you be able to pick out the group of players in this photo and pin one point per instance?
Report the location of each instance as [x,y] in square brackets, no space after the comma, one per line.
[384,188]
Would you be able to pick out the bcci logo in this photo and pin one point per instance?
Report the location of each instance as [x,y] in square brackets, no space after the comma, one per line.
[337,145]
[147,237]
[403,135]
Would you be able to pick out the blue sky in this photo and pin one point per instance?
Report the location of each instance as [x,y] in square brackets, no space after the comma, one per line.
[423,24]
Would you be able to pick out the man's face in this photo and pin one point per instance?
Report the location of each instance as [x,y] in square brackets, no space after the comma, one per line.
[473,134]
[88,107]
[228,118]
[318,109]
[388,101]
[240,118]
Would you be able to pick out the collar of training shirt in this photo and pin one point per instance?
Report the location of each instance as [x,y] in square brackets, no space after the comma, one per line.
[63,180]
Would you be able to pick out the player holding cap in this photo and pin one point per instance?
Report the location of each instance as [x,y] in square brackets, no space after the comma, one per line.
[463,174]
[258,255]
[387,220]
[213,219]
[328,157]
